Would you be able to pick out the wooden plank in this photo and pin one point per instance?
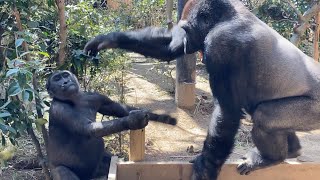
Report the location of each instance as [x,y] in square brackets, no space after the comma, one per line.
[113,168]
[183,171]
[137,145]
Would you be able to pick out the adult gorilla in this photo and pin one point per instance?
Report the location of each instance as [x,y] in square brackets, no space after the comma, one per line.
[250,67]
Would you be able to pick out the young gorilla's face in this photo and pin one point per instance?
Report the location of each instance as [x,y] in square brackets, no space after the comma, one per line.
[62,85]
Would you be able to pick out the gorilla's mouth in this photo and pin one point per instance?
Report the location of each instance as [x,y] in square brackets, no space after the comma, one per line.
[67,86]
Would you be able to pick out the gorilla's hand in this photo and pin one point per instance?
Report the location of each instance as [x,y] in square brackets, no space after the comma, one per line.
[137,119]
[100,42]
[163,118]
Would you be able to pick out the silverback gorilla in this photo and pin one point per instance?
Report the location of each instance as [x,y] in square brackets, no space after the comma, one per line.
[76,148]
[251,67]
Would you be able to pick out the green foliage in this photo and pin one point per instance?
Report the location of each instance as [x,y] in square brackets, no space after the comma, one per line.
[18,111]
[85,22]
[20,69]
[282,17]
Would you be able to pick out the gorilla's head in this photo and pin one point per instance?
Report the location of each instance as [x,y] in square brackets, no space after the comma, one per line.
[201,17]
[62,85]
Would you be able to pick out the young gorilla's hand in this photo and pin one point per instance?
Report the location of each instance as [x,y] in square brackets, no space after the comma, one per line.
[137,119]
[100,42]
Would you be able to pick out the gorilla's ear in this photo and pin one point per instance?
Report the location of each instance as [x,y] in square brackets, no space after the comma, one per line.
[48,83]
[48,87]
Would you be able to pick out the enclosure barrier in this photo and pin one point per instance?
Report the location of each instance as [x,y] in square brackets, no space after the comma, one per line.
[182,170]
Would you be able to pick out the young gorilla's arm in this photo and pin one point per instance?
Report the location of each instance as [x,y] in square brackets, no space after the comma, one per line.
[111,108]
[62,114]
[151,41]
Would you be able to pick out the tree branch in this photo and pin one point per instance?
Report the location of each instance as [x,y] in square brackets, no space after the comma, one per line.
[304,22]
[62,32]
[296,10]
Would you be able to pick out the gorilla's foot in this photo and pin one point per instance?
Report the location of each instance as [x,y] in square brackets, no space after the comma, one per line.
[294,154]
[254,161]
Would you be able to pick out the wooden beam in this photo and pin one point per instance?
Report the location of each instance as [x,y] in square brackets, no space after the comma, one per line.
[113,168]
[137,145]
[183,171]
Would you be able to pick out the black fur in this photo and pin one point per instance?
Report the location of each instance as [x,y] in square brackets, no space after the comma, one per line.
[250,67]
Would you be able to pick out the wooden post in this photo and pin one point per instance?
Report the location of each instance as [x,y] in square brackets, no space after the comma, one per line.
[316,38]
[137,145]
[186,73]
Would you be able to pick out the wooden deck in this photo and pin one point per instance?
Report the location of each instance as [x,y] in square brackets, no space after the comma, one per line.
[183,171]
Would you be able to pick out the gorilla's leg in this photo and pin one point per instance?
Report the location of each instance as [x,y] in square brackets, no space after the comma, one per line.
[273,132]
[218,144]
[271,149]
[63,173]
[103,166]
[294,147]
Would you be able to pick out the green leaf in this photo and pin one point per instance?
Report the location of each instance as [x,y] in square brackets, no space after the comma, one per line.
[50,3]
[33,24]
[4,114]
[14,89]
[22,80]
[45,54]
[12,72]
[16,62]
[30,92]
[41,121]
[5,104]
[19,42]
[10,129]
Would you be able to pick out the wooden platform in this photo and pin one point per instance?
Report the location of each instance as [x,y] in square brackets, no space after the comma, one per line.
[183,171]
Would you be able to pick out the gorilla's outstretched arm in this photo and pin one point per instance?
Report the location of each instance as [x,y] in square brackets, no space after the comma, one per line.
[80,124]
[152,42]
[111,108]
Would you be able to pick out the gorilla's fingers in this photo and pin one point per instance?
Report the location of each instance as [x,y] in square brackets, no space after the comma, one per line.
[166,119]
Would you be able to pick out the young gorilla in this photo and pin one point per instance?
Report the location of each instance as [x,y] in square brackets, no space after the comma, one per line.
[250,67]
[76,148]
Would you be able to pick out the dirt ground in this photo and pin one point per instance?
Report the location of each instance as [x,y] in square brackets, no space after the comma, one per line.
[147,87]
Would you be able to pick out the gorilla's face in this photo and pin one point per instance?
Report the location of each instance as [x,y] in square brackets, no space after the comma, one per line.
[63,85]
[197,24]
[202,17]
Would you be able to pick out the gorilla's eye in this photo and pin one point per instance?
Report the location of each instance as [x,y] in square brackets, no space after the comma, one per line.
[65,74]
[56,78]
